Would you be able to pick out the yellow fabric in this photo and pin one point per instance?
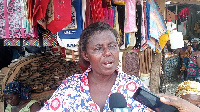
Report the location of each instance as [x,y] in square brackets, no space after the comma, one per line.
[188,87]
[163,40]
[24,109]
[120,3]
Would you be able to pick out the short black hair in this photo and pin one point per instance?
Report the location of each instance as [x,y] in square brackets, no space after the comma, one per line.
[87,33]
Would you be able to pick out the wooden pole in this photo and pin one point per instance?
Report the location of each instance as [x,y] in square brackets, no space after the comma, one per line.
[155,72]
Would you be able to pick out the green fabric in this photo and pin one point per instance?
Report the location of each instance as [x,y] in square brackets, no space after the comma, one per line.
[24,109]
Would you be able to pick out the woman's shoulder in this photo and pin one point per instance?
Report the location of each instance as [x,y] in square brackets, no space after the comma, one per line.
[31,105]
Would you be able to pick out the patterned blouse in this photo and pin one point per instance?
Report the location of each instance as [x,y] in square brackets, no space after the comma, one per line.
[73,94]
[193,68]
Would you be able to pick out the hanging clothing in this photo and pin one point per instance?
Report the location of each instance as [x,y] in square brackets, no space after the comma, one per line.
[57,16]
[130,23]
[183,14]
[144,24]
[88,15]
[11,20]
[131,63]
[74,29]
[139,24]
[39,10]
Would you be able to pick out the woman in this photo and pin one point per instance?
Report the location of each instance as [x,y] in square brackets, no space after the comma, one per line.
[193,67]
[90,91]
[18,99]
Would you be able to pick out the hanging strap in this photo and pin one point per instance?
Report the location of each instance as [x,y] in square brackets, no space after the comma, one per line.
[6,19]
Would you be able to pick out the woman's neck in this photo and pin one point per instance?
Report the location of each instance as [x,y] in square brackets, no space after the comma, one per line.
[100,78]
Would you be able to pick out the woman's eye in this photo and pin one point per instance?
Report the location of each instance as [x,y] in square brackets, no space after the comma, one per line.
[112,46]
[97,48]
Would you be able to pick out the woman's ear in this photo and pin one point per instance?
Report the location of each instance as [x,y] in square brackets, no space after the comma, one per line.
[85,56]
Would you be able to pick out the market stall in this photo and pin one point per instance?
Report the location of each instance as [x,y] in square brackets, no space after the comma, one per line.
[139,24]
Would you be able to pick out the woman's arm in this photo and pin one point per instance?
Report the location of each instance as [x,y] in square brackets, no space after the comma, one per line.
[198,61]
[35,107]
[181,104]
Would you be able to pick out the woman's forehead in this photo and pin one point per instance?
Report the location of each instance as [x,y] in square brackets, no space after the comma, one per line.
[101,34]
[10,95]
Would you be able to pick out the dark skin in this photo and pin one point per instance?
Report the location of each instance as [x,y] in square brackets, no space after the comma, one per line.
[103,54]
[181,104]
[17,103]
[192,98]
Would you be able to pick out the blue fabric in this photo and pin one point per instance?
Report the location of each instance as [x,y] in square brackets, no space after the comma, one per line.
[148,19]
[15,87]
[74,33]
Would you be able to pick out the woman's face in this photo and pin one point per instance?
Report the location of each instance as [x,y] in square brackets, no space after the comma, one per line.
[192,98]
[195,43]
[12,99]
[102,52]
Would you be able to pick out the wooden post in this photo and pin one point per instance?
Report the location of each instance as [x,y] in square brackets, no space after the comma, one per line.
[1,106]
[155,72]
[73,57]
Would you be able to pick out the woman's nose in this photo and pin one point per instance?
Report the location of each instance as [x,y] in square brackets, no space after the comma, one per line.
[106,52]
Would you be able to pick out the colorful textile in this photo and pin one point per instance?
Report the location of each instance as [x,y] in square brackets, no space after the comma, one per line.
[188,87]
[148,19]
[73,94]
[24,109]
[157,25]
[144,24]
[11,20]
[31,42]
[152,42]
[193,68]
[108,16]
[49,39]
[97,10]
[171,66]
[74,29]
[15,87]
[183,14]
[39,11]
[12,42]
[130,24]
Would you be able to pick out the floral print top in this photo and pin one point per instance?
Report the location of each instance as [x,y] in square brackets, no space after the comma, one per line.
[73,94]
[193,68]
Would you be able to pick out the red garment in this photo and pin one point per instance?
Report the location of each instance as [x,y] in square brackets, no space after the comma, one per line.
[39,11]
[88,15]
[183,13]
[62,15]
[97,10]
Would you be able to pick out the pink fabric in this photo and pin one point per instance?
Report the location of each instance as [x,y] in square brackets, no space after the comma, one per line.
[11,22]
[6,19]
[130,25]
[109,16]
